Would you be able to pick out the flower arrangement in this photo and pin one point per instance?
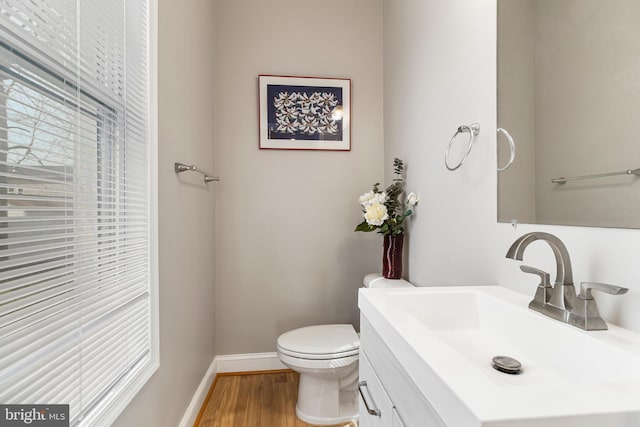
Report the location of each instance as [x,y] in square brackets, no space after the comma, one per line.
[386,211]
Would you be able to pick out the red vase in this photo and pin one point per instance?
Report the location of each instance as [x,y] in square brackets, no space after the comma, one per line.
[392,256]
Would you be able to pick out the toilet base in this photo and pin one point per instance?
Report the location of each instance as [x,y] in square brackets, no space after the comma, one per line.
[348,412]
[326,401]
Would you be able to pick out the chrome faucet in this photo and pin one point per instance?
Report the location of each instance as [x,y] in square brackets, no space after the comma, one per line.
[560,301]
[556,301]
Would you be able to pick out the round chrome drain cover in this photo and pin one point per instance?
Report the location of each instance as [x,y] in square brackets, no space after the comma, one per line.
[507,364]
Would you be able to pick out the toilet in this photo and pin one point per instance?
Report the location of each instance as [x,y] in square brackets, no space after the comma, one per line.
[326,357]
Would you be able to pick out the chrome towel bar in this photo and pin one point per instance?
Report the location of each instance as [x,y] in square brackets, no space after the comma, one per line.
[563,179]
[181,167]
[472,129]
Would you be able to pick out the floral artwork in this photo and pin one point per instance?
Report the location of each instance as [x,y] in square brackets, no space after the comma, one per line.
[304,113]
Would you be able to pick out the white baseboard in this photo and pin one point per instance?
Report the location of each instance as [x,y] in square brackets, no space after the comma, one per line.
[197,400]
[228,363]
[249,362]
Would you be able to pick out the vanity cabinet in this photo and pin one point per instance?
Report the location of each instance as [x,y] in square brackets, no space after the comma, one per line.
[375,405]
[387,387]
[396,421]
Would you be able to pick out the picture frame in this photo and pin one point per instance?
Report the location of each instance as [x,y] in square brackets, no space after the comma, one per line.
[304,113]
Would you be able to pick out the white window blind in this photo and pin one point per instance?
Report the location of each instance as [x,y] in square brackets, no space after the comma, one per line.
[76,303]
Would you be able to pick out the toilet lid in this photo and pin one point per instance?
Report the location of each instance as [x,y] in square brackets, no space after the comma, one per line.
[321,340]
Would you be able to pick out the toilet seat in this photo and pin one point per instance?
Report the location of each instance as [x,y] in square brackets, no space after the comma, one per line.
[312,356]
[320,342]
[317,365]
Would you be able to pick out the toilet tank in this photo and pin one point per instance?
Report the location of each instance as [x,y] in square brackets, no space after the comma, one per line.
[375,280]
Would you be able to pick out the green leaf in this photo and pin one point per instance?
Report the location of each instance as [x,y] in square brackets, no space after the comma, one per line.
[364,226]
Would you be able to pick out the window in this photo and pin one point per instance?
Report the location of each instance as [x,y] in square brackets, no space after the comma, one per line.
[77,265]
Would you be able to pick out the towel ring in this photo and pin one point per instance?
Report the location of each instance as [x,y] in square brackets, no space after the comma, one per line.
[473,130]
[512,147]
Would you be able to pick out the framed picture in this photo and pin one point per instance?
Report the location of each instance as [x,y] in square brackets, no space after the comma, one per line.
[305,113]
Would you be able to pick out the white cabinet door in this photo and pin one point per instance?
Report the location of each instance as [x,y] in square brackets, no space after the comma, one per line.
[415,409]
[396,421]
[375,405]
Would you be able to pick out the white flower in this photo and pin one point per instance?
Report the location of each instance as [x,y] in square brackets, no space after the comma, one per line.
[370,198]
[381,197]
[285,125]
[376,213]
[366,198]
[309,124]
[412,199]
[284,99]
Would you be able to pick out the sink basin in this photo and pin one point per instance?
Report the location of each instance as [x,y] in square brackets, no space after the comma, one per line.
[446,337]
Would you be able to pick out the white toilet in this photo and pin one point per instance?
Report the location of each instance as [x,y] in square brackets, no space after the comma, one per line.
[326,356]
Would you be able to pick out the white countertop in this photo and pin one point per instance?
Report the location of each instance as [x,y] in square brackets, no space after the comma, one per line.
[571,377]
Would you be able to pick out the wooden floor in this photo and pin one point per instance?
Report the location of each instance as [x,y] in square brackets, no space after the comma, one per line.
[254,400]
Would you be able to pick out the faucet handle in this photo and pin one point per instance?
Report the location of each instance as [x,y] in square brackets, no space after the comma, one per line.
[587,287]
[545,278]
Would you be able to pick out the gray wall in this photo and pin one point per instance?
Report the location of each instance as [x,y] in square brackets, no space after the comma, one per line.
[440,71]
[186,214]
[286,253]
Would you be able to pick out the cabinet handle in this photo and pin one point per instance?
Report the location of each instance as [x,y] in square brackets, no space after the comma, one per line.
[376,412]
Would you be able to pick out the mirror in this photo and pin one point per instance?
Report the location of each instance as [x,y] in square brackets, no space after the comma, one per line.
[569,95]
